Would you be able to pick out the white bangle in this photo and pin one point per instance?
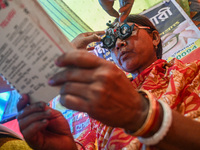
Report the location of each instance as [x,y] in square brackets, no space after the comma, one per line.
[166,123]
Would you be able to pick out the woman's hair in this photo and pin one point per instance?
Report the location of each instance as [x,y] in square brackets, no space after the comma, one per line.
[144,21]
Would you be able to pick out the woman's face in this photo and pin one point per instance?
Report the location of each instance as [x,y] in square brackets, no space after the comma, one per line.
[135,53]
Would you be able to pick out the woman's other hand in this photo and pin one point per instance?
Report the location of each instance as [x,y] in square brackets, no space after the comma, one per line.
[43,127]
[83,39]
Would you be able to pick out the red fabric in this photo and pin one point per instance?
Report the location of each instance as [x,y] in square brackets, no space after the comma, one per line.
[13,125]
[175,83]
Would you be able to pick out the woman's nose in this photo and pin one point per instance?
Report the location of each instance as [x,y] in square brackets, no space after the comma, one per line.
[120,43]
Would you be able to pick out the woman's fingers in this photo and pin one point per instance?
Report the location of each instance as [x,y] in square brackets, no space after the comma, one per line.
[74,102]
[23,102]
[94,33]
[81,59]
[75,88]
[83,39]
[72,75]
[34,117]
[37,107]
[80,66]
[33,128]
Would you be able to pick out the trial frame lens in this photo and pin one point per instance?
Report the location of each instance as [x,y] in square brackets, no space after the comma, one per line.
[122,32]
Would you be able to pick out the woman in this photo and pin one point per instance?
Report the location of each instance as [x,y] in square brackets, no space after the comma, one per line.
[101,89]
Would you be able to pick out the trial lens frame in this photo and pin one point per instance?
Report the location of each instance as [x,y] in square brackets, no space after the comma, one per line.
[115,31]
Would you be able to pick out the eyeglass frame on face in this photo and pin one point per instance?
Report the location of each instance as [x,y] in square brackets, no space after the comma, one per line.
[112,34]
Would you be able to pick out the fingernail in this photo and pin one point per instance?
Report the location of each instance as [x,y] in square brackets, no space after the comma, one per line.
[44,121]
[50,81]
[48,112]
[21,97]
[41,105]
[20,112]
[56,62]
[98,36]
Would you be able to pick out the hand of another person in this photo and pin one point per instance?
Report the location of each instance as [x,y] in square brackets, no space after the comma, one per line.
[83,39]
[125,8]
[96,86]
[107,5]
[43,127]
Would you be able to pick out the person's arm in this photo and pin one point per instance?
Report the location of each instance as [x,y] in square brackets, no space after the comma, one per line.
[43,127]
[101,89]
[179,132]
[125,8]
[183,134]
[107,5]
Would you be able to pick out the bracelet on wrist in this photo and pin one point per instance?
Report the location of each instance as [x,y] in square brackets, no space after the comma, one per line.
[152,116]
[161,133]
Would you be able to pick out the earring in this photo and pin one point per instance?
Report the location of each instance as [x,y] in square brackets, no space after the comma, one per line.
[156,47]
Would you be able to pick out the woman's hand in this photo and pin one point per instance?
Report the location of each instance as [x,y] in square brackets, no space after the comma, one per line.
[43,127]
[83,39]
[93,85]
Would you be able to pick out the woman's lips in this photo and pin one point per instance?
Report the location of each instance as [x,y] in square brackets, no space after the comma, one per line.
[124,55]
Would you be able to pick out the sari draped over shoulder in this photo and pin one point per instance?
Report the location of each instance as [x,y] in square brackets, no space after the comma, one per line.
[173,82]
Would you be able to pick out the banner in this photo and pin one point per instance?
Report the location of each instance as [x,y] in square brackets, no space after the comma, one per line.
[78,121]
[178,33]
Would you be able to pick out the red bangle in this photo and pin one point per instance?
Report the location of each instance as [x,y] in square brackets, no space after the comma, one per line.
[155,119]
[161,133]
[152,116]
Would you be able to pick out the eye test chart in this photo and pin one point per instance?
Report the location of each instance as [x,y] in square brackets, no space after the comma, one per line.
[179,35]
[30,43]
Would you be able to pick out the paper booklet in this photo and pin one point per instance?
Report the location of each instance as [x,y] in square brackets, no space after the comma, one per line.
[29,44]
[6,131]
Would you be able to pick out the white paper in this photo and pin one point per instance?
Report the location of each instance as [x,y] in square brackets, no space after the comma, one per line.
[28,48]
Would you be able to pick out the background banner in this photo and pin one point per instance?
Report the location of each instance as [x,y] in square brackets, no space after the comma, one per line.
[178,33]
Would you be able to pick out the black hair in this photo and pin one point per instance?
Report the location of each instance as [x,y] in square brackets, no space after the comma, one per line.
[144,21]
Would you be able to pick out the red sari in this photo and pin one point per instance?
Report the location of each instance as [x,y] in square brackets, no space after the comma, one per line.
[175,83]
